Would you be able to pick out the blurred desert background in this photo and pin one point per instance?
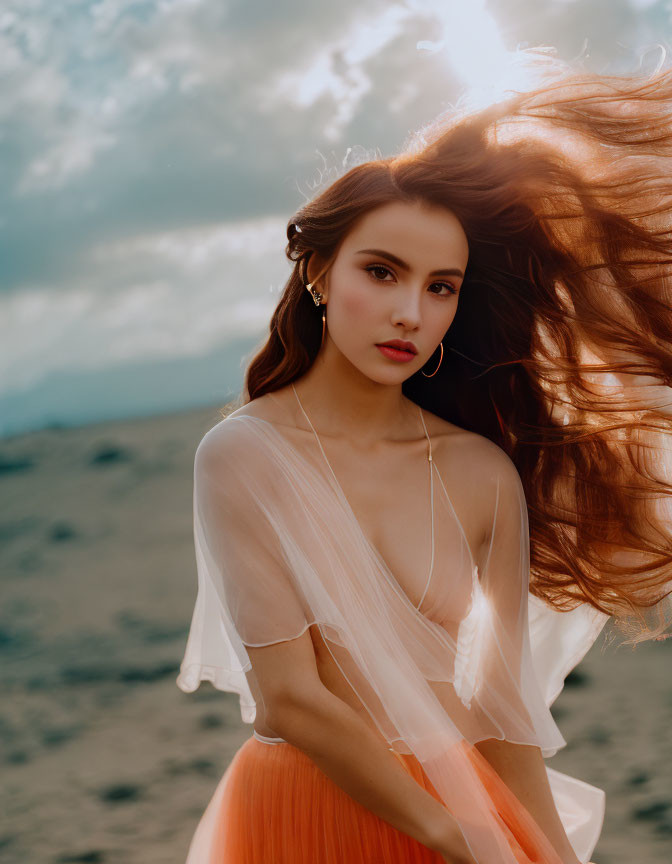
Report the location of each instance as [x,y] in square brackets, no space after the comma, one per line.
[152,153]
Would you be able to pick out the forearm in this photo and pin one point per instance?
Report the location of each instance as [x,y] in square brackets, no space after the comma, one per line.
[350,753]
[523,769]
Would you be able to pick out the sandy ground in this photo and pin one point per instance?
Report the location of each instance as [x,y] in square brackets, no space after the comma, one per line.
[104,759]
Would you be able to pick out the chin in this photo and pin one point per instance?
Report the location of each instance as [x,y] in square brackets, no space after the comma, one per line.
[392,377]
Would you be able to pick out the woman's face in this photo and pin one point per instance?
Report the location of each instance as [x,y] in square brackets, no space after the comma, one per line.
[407,288]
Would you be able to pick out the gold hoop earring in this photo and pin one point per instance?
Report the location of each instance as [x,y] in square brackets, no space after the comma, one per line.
[437,368]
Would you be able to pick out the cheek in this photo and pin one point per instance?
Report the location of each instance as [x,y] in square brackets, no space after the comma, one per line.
[356,307]
[356,302]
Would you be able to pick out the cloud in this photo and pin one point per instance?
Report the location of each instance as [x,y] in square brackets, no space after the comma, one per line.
[335,68]
[165,294]
[74,153]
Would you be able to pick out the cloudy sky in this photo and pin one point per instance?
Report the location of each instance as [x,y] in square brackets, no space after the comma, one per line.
[152,152]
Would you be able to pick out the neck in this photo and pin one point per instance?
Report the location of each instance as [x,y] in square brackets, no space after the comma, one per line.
[342,402]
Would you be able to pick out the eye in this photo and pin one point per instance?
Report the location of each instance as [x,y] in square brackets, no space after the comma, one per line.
[451,288]
[380,267]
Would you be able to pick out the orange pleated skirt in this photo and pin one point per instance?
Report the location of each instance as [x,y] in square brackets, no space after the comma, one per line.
[273,805]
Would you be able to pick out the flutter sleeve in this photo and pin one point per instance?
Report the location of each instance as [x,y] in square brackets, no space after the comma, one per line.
[246,594]
[494,671]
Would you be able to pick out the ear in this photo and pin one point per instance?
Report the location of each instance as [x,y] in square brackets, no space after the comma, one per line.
[315,273]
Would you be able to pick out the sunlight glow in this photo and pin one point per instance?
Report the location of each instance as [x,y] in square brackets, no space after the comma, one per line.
[473,47]
[470,640]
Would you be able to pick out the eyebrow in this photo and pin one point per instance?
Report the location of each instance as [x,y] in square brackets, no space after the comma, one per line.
[446,271]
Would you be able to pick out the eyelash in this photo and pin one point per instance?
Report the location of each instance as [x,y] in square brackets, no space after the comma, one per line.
[373,267]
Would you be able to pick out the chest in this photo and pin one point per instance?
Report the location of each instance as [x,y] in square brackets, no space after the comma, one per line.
[425,532]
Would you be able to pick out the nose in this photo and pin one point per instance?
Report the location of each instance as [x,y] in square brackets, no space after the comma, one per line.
[407,308]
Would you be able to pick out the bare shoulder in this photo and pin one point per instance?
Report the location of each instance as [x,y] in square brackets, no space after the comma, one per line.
[456,436]
[469,455]
[440,428]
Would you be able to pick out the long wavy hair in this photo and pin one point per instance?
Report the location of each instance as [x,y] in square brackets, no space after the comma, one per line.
[563,331]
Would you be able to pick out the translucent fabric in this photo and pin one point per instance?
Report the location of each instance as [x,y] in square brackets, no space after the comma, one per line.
[273,804]
[560,640]
[279,548]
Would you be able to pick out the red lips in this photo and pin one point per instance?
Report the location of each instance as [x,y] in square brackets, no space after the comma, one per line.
[401,345]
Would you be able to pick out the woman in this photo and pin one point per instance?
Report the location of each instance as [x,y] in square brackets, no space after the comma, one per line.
[373,521]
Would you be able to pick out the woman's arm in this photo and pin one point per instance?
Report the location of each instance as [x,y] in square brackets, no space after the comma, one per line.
[300,709]
[348,751]
[522,768]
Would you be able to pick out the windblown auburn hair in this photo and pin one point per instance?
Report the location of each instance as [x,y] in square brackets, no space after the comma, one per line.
[563,332]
